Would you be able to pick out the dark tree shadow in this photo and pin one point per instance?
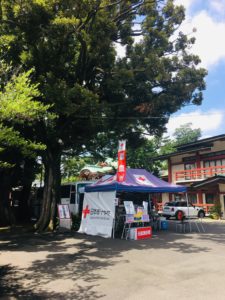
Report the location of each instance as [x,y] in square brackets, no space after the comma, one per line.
[77,258]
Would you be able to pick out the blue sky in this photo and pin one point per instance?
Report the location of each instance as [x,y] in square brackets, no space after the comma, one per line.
[208,18]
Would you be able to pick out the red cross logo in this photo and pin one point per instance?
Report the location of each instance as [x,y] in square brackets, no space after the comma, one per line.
[141,178]
[86,211]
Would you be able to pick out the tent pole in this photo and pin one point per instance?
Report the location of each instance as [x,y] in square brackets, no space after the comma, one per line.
[186,196]
[149,202]
[114,219]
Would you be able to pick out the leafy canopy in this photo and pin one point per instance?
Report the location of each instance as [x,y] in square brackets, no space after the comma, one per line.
[18,108]
[71,46]
[185,134]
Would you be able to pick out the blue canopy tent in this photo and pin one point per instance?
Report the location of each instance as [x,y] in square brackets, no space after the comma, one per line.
[98,215]
[137,180]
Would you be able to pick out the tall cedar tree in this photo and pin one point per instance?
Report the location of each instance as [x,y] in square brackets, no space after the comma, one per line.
[97,96]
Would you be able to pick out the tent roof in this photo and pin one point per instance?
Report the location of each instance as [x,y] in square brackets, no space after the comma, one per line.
[137,180]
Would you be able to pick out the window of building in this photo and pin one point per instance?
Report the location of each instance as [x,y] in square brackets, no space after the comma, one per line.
[209,198]
[192,198]
[190,174]
[214,164]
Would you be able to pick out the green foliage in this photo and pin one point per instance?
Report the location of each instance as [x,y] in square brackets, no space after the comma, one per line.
[185,134]
[215,211]
[17,102]
[182,135]
[167,145]
[18,108]
[71,166]
[76,220]
[141,157]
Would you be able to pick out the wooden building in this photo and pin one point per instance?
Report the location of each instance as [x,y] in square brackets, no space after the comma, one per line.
[201,167]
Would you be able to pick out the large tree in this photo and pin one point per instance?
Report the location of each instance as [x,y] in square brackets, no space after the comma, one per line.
[98,97]
[19,111]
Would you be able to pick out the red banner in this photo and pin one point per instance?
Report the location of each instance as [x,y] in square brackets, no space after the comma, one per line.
[121,171]
[144,233]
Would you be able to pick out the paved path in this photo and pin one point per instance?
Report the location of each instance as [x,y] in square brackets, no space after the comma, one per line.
[73,266]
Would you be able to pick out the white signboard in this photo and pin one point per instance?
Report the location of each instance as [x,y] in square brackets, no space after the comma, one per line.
[64,212]
[65,223]
[64,216]
[98,213]
[145,206]
[129,207]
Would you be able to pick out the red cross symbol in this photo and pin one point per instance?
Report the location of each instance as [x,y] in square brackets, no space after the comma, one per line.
[86,211]
[141,178]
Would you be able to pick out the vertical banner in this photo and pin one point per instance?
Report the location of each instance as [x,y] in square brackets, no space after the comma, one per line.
[98,213]
[121,172]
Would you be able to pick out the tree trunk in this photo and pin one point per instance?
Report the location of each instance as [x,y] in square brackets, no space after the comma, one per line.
[6,212]
[51,193]
[24,205]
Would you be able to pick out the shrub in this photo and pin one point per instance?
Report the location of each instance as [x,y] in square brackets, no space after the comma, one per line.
[75,222]
[215,211]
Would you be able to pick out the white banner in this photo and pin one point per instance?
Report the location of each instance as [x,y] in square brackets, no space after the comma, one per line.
[98,213]
[122,145]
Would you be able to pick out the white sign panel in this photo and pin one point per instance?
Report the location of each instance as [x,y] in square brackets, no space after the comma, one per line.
[98,213]
[64,216]
[145,206]
[129,207]
[64,212]
[65,223]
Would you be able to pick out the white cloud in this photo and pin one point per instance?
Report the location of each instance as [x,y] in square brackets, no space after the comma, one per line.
[209,122]
[217,5]
[120,50]
[210,44]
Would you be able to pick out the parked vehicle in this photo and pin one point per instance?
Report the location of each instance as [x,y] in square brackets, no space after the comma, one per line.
[180,209]
[73,195]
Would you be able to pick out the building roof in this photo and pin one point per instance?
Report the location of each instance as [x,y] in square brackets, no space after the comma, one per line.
[209,181]
[203,144]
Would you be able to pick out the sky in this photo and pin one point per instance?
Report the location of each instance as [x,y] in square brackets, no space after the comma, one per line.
[208,18]
[205,20]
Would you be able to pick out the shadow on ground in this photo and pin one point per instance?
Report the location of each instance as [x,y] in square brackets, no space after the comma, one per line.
[75,259]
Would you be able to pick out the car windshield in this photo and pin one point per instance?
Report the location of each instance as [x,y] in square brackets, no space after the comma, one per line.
[182,203]
[170,204]
[177,203]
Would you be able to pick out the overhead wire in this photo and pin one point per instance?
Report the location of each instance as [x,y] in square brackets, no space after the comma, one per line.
[151,117]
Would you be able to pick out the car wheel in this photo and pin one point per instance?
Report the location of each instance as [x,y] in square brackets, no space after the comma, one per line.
[201,214]
[179,215]
[167,218]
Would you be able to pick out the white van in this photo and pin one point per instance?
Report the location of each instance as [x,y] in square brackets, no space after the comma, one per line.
[73,195]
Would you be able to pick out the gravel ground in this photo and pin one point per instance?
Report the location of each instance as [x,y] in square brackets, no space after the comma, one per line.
[68,265]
